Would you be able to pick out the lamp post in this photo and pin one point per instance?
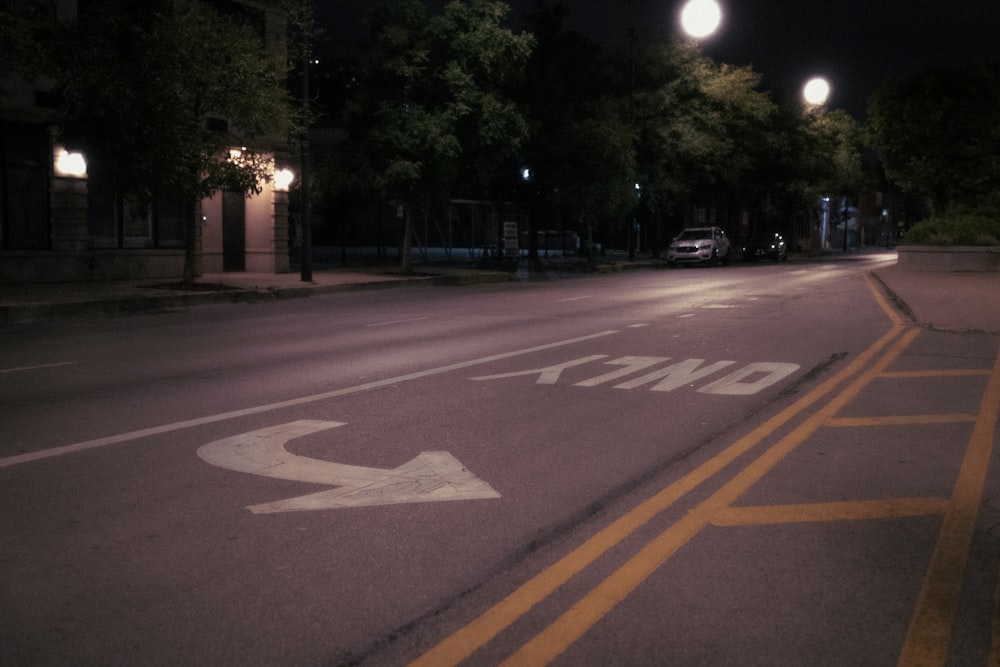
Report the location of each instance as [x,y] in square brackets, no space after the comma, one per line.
[698,19]
[815,94]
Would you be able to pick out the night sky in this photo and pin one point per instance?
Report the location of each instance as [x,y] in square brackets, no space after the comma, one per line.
[854,44]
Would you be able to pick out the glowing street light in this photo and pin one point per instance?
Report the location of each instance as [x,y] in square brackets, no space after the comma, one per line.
[701,18]
[816,91]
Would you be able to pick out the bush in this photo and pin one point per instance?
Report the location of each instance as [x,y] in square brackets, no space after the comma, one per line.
[956,229]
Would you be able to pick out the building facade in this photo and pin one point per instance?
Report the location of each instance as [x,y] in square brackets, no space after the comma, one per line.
[56,224]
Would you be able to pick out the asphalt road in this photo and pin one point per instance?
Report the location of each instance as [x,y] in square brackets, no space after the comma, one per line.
[751,465]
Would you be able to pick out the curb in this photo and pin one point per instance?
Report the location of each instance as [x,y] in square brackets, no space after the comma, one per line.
[894,297]
[117,306]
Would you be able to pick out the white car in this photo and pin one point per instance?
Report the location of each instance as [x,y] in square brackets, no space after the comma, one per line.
[701,245]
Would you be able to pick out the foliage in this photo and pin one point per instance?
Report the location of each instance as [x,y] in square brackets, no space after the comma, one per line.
[579,149]
[597,176]
[977,225]
[141,82]
[434,119]
[937,132]
[956,229]
[26,30]
[139,87]
[702,125]
[432,105]
[835,140]
[432,95]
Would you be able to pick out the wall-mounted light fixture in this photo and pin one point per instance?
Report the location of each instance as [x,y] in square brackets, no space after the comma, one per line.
[283,179]
[69,164]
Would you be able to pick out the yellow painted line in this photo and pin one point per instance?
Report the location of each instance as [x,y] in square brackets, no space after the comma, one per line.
[961,372]
[880,299]
[930,628]
[901,420]
[461,644]
[851,510]
[557,637]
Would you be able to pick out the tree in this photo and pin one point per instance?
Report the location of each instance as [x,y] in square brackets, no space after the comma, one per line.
[835,147]
[704,132]
[433,99]
[142,84]
[564,91]
[596,178]
[26,29]
[937,133]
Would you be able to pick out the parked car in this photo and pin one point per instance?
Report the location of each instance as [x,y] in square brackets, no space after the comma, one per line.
[699,245]
[766,247]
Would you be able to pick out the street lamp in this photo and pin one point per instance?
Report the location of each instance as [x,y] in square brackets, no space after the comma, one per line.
[816,91]
[698,19]
[815,94]
[701,18]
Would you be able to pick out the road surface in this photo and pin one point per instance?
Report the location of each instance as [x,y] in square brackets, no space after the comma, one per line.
[736,465]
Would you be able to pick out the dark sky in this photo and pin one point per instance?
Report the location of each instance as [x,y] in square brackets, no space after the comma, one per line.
[854,43]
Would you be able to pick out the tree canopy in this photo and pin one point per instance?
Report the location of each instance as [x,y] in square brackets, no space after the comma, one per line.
[139,86]
[451,103]
[937,133]
[432,105]
[448,104]
[158,95]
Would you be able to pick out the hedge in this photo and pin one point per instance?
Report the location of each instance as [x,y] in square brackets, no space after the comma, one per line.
[961,229]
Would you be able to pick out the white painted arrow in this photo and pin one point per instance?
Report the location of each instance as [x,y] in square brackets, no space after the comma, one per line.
[430,477]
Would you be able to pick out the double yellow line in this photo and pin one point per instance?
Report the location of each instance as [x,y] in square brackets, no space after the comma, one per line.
[558,636]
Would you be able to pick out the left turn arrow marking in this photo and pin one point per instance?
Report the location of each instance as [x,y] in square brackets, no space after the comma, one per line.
[430,477]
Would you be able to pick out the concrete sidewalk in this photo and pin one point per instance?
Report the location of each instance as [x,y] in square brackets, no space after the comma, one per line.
[42,301]
[948,301]
[961,301]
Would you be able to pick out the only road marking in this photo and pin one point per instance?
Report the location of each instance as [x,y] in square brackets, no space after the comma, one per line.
[461,644]
[20,369]
[302,400]
[673,376]
[430,477]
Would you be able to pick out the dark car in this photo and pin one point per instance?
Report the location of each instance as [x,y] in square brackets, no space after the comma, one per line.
[766,247]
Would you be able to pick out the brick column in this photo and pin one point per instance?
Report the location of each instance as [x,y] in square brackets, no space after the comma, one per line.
[280,242]
[68,199]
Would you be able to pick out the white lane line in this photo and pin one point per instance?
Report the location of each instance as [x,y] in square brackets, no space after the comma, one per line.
[574,298]
[39,367]
[302,400]
[384,324]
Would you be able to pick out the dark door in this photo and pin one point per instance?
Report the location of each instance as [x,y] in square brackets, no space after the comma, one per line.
[24,187]
[234,232]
